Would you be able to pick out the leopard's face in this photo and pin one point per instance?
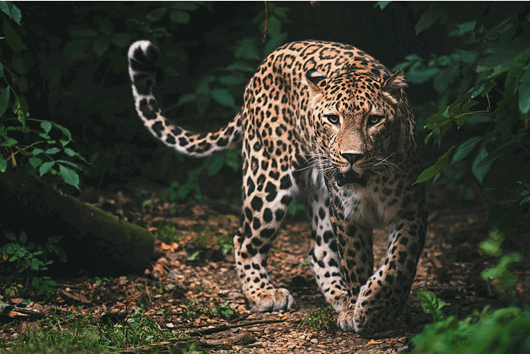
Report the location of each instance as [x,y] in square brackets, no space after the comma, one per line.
[356,116]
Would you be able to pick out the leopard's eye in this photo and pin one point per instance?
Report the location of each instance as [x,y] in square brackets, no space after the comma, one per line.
[333,118]
[373,120]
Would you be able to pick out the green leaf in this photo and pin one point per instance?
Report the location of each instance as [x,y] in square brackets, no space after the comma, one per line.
[45,167]
[274,43]
[69,163]
[413,57]
[445,78]
[465,148]
[35,161]
[232,80]
[419,74]
[20,108]
[274,26]
[4,6]
[223,97]
[69,152]
[482,164]
[241,66]
[432,305]
[514,75]
[4,101]
[69,176]
[203,101]
[492,245]
[382,4]
[157,14]
[52,151]
[194,256]
[3,164]
[215,165]
[10,235]
[24,238]
[189,97]
[464,28]
[503,272]
[64,130]
[101,45]
[13,39]
[436,169]
[429,17]
[180,17]
[16,15]
[11,10]
[46,126]
[524,92]
[9,142]
[248,49]
[37,151]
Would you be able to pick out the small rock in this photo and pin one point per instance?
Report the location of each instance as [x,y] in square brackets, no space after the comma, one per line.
[314,341]
[405,347]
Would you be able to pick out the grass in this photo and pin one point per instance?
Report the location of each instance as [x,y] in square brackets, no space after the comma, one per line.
[168,233]
[87,334]
[195,310]
[321,319]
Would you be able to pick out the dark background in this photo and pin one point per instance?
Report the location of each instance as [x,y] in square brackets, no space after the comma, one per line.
[90,94]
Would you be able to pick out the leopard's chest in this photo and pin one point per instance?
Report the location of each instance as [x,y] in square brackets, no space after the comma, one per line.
[376,205]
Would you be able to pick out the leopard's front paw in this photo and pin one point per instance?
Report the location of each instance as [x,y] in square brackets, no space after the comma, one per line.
[346,321]
[272,300]
[340,303]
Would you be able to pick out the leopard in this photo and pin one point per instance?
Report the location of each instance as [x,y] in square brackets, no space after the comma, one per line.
[329,122]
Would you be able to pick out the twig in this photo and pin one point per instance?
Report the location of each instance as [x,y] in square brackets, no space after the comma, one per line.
[264,33]
[225,327]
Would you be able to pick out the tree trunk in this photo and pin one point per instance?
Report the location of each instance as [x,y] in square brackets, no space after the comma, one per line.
[94,241]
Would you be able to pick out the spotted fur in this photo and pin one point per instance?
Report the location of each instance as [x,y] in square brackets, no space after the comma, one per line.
[326,119]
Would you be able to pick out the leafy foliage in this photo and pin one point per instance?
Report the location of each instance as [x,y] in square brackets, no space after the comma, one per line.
[432,305]
[491,331]
[497,129]
[32,138]
[29,260]
[321,319]
[483,97]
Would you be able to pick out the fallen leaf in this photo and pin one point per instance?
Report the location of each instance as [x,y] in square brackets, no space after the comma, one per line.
[373,342]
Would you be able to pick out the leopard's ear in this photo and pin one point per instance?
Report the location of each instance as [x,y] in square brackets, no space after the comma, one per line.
[312,78]
[394,84]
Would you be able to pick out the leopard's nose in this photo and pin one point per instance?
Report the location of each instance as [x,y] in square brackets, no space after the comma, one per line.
[352,157]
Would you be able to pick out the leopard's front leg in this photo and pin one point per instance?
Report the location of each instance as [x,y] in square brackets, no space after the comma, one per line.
[264,207]
[383,295]
[356,264]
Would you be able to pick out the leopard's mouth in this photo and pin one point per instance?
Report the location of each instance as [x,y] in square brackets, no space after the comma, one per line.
[350,177]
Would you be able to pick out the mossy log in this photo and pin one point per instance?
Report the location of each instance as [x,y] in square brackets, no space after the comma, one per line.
[95,242]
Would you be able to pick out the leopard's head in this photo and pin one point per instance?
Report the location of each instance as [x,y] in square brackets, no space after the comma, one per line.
[358,123]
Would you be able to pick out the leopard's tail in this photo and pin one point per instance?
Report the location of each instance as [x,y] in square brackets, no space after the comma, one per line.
[143,56]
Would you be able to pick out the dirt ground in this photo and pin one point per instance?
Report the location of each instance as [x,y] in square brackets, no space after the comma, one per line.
[176,286]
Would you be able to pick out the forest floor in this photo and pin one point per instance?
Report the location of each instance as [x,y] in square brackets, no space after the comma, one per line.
[192,288]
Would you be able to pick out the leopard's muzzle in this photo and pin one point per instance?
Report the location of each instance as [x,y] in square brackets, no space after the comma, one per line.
[350,177]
